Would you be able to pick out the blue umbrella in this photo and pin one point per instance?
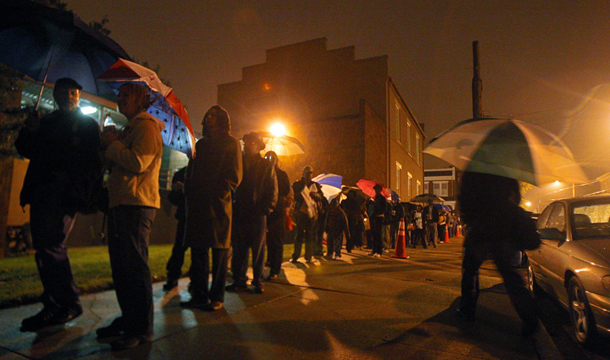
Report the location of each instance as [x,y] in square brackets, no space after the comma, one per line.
[47,44]
[394,196]
[331,184]
[442,207]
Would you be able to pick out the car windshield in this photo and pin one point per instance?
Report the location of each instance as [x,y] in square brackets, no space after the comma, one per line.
[591,220]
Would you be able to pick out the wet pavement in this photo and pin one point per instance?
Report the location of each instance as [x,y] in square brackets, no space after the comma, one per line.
[358,307]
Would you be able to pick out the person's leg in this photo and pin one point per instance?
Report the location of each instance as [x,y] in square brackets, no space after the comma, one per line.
[128,230]
[301,232]
[239,261]
[275,245]
[220,261]
[376,227]
[199,276]
[520,296]
[176,260]
[471,262]
[336,246]
[258,230]
[309,239]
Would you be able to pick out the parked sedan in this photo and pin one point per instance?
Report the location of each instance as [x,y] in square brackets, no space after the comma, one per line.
[573,262]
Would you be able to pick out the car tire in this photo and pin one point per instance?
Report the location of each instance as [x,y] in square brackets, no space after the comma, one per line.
[583,323]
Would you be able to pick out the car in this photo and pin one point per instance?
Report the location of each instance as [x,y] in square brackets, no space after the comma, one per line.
[572,263]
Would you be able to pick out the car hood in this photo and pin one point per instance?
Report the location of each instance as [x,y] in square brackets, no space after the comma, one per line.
[598,250]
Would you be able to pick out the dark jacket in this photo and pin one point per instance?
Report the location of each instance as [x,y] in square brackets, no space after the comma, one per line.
[435,214]
[284,189]
[298,187]
[258,192]
[176,197]
[211,177]
[64,156]
[336,223]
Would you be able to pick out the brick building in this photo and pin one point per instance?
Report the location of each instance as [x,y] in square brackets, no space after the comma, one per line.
[348,114]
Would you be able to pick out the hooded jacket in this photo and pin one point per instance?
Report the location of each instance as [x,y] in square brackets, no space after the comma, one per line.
[135,161]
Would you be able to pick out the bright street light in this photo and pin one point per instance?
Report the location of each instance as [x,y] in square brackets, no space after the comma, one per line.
[277,129]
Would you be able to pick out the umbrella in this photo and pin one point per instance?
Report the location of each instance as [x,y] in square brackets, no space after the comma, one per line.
[178,133]
[394,196]
[330,183]
[424,198]
[282,145]
[509,148]
[442,207]
[47,44]
[367,185]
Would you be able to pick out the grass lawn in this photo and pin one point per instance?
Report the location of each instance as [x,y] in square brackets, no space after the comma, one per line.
[20,283]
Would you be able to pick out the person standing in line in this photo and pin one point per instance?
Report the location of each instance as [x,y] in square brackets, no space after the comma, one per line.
[355,217]
[255,198]
[276,222]
[212,176]
[496,226]
[442,225]
[307,194]
[377,217]
[63,149]
[335,225]
[419,232]
[134,158]
[176,260]
[431,217]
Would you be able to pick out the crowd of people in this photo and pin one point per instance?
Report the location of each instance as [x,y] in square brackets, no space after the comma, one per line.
[231,202]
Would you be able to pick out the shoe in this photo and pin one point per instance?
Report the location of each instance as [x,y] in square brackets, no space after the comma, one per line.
[236,287]
[258,289]
[466,315]
[310,261]
[170,284]
[294,261]
[130,341]
[337,257]
[371,254]
[271,277]
[213,306]
[349,251]
[376,255]
[48,317]
[193,304]
[114,329]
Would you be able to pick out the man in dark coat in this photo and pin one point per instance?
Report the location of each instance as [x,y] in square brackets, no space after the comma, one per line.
[497,226]
[255,198]
[431,217]
[63,148]
[276,222]
[377,216]
[176,260]
[307,196]
[211,177]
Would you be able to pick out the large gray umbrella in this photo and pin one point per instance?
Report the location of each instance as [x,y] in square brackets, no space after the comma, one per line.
[509,148]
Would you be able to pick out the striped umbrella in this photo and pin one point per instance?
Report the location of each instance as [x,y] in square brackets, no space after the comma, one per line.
[330,183]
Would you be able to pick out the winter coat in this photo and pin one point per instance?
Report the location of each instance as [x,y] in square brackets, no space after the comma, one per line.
[211,177]
[63,153]
[258,192]
[134,162]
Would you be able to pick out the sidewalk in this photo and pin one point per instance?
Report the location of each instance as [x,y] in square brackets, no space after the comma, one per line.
[355,308]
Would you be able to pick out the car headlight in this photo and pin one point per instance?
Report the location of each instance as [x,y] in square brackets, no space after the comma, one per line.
[606,282]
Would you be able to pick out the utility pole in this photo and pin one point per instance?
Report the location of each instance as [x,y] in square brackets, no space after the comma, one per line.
[477,84]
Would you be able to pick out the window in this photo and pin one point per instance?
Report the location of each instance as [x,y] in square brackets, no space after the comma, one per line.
[417,149]
[409,137]
[409,184]
[426,190]
[440,188]
[398,175]
[418,187]
[397,119]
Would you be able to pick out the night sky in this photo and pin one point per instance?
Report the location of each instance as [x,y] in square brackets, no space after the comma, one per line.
[543,62]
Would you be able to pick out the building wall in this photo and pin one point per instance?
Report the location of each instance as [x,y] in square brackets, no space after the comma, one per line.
[334,104]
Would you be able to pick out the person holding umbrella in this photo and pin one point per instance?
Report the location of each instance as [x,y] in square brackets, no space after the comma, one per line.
[431,218]
[134,158]
[497,225]
[378,210]
[307,195]
[63,149]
